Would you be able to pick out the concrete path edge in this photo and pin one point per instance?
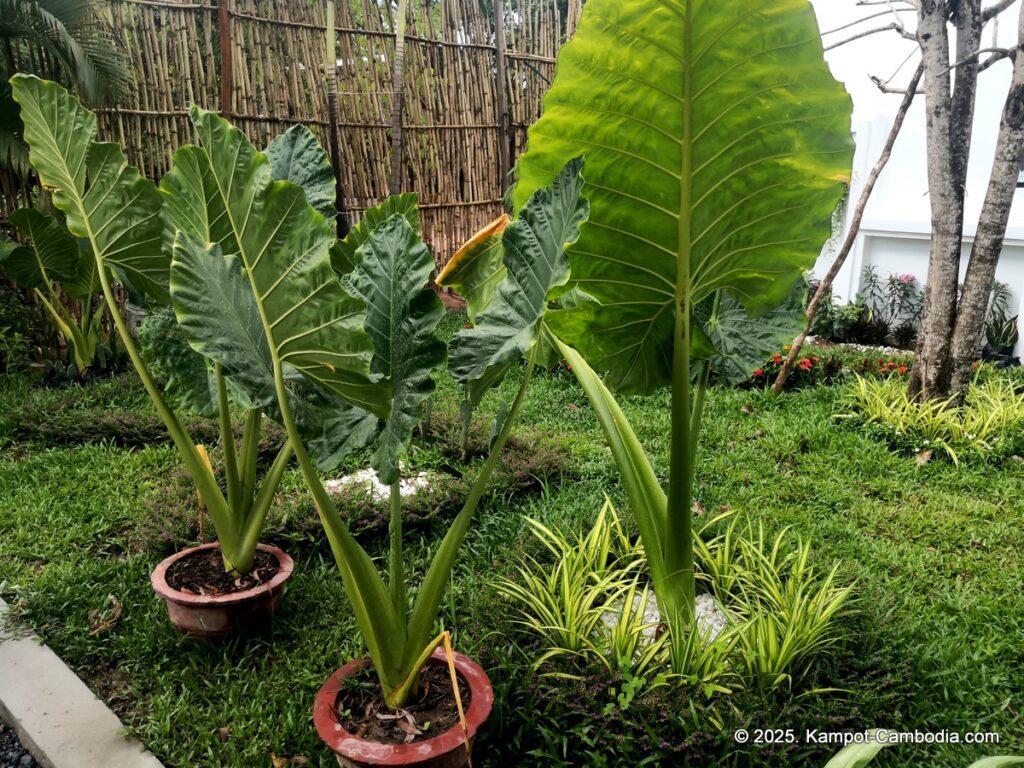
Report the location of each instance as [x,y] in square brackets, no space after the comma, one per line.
[57,718]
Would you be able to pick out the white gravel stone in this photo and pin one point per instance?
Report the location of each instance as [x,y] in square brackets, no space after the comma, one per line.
[859,347]
[711,618]
[367,478]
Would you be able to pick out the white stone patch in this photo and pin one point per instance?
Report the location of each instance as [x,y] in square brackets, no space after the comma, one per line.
[812,340]
[711,617]
[367,478]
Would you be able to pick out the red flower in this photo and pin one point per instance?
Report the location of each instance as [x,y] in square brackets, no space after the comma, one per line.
[777,359]
[903,369]
[758,373]
[806,364]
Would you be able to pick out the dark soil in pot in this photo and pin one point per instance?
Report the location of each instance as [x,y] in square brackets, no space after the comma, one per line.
[363,713]
[203,574]
[433,747]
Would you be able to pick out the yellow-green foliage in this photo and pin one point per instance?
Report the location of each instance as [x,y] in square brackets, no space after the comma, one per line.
[990,423]
[781,608]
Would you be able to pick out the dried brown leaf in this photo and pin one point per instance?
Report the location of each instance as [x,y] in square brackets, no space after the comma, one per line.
[105,622]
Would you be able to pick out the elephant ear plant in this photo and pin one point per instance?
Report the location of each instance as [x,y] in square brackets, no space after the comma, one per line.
[717,146]
[51,255]
[128,227]
[254,290]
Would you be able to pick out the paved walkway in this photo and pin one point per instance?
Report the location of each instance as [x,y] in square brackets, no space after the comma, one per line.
[57,718]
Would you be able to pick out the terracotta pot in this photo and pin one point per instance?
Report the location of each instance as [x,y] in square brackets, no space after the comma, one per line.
[446,750]
[214,616]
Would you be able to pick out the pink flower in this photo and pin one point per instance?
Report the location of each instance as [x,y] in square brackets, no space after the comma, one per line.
[907,278]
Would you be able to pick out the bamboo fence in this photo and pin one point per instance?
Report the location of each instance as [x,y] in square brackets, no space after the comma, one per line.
[475,74]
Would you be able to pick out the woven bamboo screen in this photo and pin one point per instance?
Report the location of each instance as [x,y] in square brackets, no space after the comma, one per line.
[272,65]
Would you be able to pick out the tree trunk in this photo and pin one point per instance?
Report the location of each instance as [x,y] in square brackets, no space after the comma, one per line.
[988,242]
[825,287]
[398,103]
[948,120]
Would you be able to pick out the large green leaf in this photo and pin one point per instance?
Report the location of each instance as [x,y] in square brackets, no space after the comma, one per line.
[392,277]
[297,156]
[476,270]
[51,253]
[189,380]
[278,257]
[86,282]
[742,343]
[343,252]
[217,315]
[192,203]
[534,254]
[105,200]
[717,144]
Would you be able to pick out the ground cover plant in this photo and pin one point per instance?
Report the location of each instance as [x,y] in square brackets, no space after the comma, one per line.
[934,641]
[988,425]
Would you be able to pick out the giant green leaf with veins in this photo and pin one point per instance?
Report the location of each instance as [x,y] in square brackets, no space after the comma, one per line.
[275,250]
[343,252]
[297,156]
[105,200]
[50,255]
[717,144]
[392,277]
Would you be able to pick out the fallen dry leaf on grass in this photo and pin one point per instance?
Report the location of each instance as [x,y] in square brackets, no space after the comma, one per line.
[104,622]
[923,458]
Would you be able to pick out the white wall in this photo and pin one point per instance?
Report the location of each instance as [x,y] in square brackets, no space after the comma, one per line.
[895,232]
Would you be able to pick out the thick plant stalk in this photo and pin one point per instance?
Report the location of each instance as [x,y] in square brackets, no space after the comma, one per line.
[398,103]
[227,443]
[198,471]
[396,564]
[825,287]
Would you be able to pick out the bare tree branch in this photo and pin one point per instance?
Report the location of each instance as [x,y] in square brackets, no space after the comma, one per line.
[887,12]
[997,55]
[1011,54]
[893,26]
[884,87]
[883,2]
[994,10]
[825,286]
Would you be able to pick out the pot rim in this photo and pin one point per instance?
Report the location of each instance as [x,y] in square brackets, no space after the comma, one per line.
[332,733]
[158,578]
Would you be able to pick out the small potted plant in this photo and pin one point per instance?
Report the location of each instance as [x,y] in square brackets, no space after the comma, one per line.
[354,320]
[1002,334]
[126,224]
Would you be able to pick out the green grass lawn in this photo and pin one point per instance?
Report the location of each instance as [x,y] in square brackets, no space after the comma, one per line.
[935,641]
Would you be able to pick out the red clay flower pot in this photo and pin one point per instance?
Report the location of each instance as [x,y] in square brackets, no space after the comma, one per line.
[216,616]
[446,750]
